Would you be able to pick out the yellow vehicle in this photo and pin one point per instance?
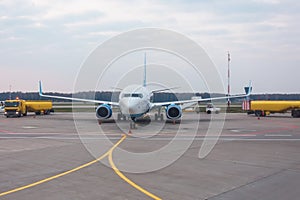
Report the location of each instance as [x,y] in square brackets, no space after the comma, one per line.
[20,107]
[263,108]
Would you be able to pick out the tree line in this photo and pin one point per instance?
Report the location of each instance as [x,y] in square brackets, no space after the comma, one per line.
[157,97]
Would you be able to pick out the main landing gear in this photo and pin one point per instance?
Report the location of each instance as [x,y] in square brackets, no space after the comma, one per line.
[159,115]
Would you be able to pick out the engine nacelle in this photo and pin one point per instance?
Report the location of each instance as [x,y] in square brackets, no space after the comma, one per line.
[173,111]
[103,111]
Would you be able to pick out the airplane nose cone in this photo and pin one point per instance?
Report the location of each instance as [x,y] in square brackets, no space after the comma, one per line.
[128,106]
[131,110]
[132,107]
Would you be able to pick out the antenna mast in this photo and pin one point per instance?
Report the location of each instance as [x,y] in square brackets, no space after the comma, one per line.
[145,72]
[228,86]
[9,92]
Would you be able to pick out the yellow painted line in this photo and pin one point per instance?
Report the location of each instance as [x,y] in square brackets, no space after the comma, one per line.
[64,173]
[117,171]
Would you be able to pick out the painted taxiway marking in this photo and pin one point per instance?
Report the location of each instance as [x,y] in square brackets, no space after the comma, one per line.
[278,135]
[29,127]
[64,173]
[121,175]
[241,130]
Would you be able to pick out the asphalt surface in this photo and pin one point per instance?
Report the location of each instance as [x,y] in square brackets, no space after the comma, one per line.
[252,159]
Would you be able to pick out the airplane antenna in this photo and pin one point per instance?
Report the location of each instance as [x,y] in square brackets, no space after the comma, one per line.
[145,72]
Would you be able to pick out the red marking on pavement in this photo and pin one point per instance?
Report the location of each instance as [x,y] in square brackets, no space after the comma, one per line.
[285,127]
[4,131]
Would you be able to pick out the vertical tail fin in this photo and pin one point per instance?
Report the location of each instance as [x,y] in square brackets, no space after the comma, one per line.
[145,71]
[40,88]
[249,88]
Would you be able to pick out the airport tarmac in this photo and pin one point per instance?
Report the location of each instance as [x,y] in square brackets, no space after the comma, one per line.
[44,157]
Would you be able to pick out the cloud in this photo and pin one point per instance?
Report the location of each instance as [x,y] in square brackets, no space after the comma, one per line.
[266,31]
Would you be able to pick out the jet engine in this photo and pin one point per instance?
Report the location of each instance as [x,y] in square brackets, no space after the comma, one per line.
[173,111]
[103,111]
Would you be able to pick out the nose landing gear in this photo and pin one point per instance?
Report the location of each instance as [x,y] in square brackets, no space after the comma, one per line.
[133,123]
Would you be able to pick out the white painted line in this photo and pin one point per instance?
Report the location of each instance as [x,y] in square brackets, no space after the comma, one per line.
[29,127]
[239,135]
[279,135]
[241,130]
[155,139]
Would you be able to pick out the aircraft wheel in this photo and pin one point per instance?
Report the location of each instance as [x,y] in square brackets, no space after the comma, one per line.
[161,117]
[132,125]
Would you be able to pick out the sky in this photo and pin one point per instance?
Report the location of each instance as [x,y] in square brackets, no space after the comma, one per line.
[49,40]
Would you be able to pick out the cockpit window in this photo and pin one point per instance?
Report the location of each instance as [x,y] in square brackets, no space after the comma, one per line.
[126,95]
[133,95]
[137,95]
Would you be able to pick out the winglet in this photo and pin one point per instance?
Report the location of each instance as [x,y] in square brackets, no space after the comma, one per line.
[40,88]
[248,89]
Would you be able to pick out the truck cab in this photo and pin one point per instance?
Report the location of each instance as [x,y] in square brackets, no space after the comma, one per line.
[20,107]
[15,107]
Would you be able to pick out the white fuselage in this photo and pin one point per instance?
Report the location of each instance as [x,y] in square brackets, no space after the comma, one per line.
[134,101]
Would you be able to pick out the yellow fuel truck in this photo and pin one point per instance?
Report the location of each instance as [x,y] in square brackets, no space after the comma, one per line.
[263,108]
[20,107]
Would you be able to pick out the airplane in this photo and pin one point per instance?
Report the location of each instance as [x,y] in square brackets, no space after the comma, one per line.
[134,102]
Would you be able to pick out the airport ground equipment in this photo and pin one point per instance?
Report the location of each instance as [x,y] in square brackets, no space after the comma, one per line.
[263,108]
[19,107]
[211,108]
[1,109]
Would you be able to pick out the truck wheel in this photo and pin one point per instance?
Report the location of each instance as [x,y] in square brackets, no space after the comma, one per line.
[38,113]
[258,113]
[208,112]
[250,112]
[217,112]
[295,113]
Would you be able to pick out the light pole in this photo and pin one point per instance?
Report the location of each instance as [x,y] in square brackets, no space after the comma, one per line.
[228,85]
[9,92]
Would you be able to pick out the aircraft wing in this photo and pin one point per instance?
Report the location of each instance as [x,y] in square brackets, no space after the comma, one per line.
[161,90]
[75,99]
[196,100]
[159,104]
